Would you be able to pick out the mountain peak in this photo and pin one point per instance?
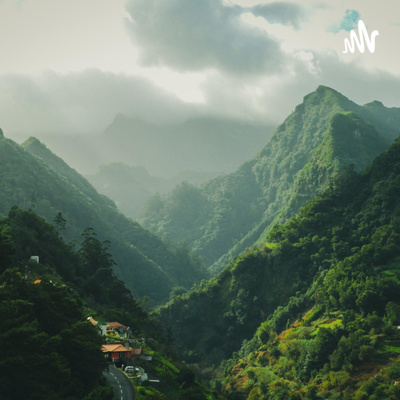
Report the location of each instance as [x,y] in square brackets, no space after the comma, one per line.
[322,88]
[32,141]
[326,93]
[36,147]
[1,133]
[375,103]
[327,98]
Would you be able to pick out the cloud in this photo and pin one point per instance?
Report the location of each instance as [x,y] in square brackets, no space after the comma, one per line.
[349,22]
[272,99]
[195,35]
[82,102]
[285,13]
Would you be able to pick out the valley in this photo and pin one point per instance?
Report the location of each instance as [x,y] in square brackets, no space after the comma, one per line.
[279,280]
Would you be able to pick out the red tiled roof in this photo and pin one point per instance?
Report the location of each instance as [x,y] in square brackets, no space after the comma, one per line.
[113,348]
[116,325]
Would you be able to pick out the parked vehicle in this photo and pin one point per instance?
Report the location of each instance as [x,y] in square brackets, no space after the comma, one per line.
[132,369]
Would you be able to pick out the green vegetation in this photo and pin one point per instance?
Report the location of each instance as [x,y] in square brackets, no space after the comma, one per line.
[311,313]
[175,383]
[33,177]
[326,309]
[131,187]
[49,349]
[221,218]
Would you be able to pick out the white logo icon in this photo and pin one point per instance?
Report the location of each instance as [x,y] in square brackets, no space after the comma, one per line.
[359,40]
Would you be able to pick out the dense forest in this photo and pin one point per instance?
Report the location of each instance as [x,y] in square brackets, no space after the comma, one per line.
[301,298]
[49,349]
[31,176]
[314,312]
[222,217]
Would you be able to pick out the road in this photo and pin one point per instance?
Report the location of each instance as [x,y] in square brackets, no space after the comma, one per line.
[123,388]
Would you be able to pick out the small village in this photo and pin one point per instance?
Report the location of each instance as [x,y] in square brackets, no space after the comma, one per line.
[123,351]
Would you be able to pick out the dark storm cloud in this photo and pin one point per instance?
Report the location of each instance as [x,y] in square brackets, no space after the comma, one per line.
[193,35]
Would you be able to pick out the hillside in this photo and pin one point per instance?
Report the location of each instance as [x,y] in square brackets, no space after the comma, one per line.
[338,337]
[45,304]
[130,187]
[223,217]
[33,177]
[317,306]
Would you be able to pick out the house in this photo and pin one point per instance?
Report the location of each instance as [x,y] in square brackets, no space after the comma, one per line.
[117,353]
[114,330]
[117,330]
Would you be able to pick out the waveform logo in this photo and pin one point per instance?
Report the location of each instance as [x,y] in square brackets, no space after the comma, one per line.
[359,40]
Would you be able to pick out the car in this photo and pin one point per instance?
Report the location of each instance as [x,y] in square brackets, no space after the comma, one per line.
[131,369]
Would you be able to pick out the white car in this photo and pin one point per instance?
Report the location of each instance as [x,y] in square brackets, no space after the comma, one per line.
[131,369]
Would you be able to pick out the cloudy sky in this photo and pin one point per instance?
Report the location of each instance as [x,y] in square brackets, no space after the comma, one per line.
[71,66]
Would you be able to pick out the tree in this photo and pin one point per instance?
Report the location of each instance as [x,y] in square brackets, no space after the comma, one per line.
[60,222]
[94,254]
[7,248]
[44,339]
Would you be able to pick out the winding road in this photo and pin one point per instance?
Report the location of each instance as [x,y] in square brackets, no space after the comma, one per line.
[123,388]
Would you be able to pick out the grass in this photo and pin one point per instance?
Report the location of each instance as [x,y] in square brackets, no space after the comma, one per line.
[147,392]
[394,349]
[327,325]
[394,268]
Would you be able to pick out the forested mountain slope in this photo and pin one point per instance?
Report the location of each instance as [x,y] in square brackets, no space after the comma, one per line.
[46,184]
[338,337]
[335,269]
[130,187]
[44,333]
[228,214]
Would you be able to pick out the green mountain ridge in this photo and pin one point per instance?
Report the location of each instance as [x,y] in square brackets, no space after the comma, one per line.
[300,317]
[35,147]
[338,337]
[45,183]
[130,187]
[234,211]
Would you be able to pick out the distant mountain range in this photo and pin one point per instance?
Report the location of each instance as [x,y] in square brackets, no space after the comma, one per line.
[222,217]
[205,145]
[31,176]
[130,187]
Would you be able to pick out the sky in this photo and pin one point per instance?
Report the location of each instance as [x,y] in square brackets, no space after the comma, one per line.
[68,67]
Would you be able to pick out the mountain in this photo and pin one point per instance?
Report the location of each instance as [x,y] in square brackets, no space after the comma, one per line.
[339,336]
[33,177]
[222,217]
[130,187]
[314,312]
[206,145]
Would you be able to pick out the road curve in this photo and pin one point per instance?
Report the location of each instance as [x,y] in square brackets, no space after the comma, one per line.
[123,388]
